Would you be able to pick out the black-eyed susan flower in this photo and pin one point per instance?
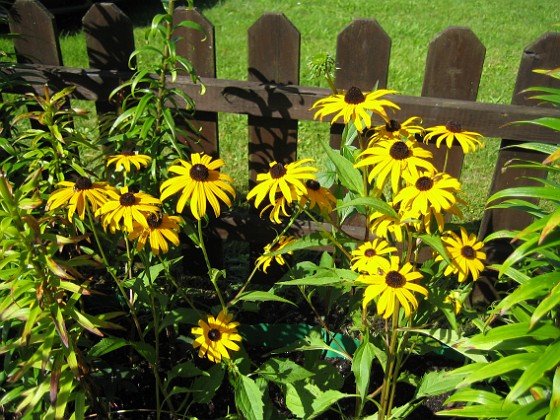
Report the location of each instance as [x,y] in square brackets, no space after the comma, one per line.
[392,284]
[127,207]
[466,254]
[288,180]
[161,229]
[317,197]
[78,195]
[451,133]
[264,261]
[428,192]
[355,106]
[216,337]
[125,159]
[200,182]
[277,210]
[387,227]
[370,255]
[393,129]
[455,299]
[393,158]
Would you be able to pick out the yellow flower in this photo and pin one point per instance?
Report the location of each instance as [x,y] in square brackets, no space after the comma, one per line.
[393,158]
[287,180]
[277,209]
[466,255]
[128,207]
[388,227]
[216,337]
[455,299]
[397,131]
[78,194]
[161,228]
[369,256]
[264,261]
[124,160]
[199,182]
[318,196]
[354,106]
[452,132]
[392,284]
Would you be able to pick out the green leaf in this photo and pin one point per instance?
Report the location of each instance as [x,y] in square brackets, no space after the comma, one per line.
[548,304]
[106,345]
[249,398]
[500,367]
[204,387]
[451,339]
[437,383]
[307,401]
[555,397]
[325,277]
[260,296]
[349,177]
[146,350]
[534,288]
[544,193]
[361,367]
[283,371]
[549,122]
[373,203]
[520,331]
[436,244]
[534,410]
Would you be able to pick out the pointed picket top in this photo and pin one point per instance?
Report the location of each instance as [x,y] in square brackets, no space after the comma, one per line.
[109,37]
[37,42]
[362,55]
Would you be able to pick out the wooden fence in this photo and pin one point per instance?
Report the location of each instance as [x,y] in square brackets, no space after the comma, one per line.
[274,101]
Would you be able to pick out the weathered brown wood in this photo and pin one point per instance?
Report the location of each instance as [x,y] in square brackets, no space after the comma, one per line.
[109,42]
[200,49]
[542,54]
[453,70]
[362,60]
[274,56]
[37,42]
[255,98]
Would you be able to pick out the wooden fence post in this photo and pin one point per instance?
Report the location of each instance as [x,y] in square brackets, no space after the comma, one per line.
[542,54]
[200,49]
[453,70]
[109,42]
[274,54]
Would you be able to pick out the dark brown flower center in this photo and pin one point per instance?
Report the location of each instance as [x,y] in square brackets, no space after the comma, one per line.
[313,185]
[399,151]
[395,279]
[392,126]
[83,183]
[277,171]
[127,199]
[453,126]
[199,172]
[424,183]
[370,253]
[354,96]
[155,220]
[214,334]
[468,252]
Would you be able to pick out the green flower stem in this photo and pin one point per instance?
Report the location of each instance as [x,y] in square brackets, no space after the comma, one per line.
[170,277]
[329,234]
[391,372]
[213,273]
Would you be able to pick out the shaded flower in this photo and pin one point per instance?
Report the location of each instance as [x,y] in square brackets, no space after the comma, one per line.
[355,106]
[161,228]
[453,133]
[199,182]
[370,255]
[278,209]
[393,129]
[392,284]
[128,207]
[126,158]
[394,158]
[387,227]
[288,180]
[264,261]
[455,299]
[217,336]
[317,196]
[78,195]
[466,255]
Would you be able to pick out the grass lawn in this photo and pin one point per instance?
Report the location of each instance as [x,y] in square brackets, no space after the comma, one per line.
[504,27]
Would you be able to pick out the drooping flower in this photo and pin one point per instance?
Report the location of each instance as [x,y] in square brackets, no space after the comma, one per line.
[370,255]
[277,210]
[466,254]
[128,207]
[78,195]
[455,299]
[451,133]
[317,196]
[392,284]
[126,158]
[264,261]
[200,182]
[161,228]
[288,180]
[354,106]
[395,130]
[216,337]
[387,227]
[393,158]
